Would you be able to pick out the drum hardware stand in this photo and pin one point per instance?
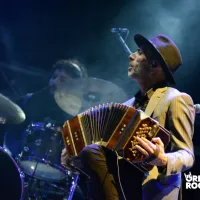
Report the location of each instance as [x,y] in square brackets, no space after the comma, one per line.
[44,195]
[78,171]
[32,179]
[73,187]
[55,187]
[32,175]
[46,156]
[37,195]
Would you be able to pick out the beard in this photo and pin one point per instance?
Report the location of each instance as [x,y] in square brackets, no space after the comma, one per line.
[134,71]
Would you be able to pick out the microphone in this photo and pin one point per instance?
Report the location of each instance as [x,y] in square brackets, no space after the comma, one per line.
[117,30]
[197,108]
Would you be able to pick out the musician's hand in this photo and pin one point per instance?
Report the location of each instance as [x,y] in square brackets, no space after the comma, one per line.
[65,158]
[153,151]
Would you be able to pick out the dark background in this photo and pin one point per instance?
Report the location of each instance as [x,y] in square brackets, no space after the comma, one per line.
[35,34]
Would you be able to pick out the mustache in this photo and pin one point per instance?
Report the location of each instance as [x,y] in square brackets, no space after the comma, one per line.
[136,69]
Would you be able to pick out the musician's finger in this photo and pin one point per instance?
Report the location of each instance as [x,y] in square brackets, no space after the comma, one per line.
[63,164]
[64,152]
[64,160]
[145,145]
[143,151]
[158,141]
[149,143]
[64,157]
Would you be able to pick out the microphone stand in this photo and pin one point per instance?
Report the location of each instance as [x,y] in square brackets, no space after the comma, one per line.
[126,48]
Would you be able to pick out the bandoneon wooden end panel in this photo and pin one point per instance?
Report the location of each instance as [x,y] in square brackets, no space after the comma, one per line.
[73,136]
[146,127]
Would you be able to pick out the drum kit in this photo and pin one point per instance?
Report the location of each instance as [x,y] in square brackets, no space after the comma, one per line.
[36,173]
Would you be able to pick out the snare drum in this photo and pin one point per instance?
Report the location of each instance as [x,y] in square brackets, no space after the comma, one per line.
[11,178]
[40,157]
[68,189]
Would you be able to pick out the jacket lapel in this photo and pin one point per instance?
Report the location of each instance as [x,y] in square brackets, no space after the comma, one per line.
[156,97]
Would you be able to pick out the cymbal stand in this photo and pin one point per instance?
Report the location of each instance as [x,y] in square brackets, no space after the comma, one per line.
[36,195]
[73,187]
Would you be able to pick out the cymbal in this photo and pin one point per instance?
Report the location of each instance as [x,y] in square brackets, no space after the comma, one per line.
[77,95]
[10,113]
[27,70]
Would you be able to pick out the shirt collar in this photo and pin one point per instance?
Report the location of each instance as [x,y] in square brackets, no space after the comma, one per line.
[150,92]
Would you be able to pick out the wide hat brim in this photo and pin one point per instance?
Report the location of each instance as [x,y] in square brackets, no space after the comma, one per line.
[143,42]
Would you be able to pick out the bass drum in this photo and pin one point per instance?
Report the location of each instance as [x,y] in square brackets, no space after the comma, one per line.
[11,178]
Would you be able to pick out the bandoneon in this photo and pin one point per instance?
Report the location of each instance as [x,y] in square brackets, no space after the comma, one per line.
[115,126]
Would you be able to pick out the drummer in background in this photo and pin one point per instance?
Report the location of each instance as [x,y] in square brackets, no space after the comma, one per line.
[41,105]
